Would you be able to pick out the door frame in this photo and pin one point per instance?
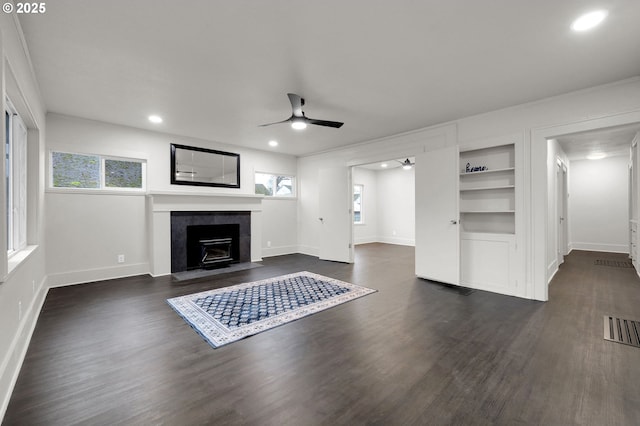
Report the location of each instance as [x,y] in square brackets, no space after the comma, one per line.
[537,171]
[561,211]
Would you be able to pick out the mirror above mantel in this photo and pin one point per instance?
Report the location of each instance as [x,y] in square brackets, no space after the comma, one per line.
[204,167]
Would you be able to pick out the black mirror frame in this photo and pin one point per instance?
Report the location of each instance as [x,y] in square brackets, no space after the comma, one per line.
[209,151]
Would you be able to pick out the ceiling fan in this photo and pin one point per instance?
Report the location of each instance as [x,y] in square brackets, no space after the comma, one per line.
[298,120]
[406,164]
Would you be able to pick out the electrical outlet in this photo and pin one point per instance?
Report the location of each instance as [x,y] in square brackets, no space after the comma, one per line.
[19,310]
[121,258]
[33,285]
[394,232]
[268,243]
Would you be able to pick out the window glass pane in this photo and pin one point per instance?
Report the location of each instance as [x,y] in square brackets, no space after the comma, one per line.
[8,180]
[122,174]
[75,170]
[357,203]
[284,186]
[264,184]
[275,185]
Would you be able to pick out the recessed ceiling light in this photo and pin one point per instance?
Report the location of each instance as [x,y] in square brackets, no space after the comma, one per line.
[384,165]
[155,119]
[589,20]
[273,143]
[596,156]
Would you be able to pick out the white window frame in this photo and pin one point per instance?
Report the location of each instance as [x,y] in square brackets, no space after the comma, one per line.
[16,214]
[294,184]
[102,186]
[361,221]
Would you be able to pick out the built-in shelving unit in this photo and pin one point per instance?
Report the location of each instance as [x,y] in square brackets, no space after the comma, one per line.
[487,204]
[487,196]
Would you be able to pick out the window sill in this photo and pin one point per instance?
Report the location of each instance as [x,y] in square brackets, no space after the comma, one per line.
[139,192]
[267,197]
[18,257]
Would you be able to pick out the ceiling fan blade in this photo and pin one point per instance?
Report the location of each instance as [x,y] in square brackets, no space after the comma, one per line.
[277,122]
[296,104]
[335,124]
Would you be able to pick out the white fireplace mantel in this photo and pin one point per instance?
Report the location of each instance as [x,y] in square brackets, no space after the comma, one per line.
[161,204]
[203,201]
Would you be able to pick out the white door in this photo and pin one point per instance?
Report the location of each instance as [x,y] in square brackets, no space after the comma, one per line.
[437,216]
[335,201]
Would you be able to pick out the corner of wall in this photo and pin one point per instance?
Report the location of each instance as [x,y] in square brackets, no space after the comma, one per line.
[12,362]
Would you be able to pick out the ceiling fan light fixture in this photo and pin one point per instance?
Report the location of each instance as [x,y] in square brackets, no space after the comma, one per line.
[298,124]
[406,165]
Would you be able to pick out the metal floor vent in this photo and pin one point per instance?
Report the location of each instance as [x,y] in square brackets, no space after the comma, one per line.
[622,331]
[613,263]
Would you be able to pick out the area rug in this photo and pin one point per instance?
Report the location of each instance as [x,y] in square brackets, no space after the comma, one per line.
[228,314]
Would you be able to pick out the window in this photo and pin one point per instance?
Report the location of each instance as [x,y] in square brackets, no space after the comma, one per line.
[357,204]
[16,179]
[273,185]
[86,171]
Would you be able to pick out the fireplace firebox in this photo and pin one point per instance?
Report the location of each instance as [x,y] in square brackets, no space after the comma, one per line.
[215,252]
[212,246]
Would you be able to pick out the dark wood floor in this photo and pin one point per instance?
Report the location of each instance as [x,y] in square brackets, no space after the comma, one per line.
[114,352]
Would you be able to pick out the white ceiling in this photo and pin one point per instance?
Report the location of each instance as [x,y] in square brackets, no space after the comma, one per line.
[611,141]
[391,164]
[217,69]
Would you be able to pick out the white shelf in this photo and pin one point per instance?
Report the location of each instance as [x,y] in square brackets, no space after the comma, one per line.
[487,197]
[483,172]
[487,235]
[487,211]
[488,188]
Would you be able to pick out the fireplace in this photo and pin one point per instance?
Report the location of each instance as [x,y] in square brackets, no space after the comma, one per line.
[207,240]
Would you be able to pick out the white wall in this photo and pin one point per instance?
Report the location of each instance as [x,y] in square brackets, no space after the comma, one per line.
[396,206]
[554,155]
[367,232]
[399,146]
[389,206]
[536,121]
[86,231]
[599,204]
[24,288]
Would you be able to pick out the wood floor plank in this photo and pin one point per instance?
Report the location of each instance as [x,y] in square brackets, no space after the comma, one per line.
[416,352]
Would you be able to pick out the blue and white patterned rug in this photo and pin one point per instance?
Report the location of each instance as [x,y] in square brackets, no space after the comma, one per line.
[228,314]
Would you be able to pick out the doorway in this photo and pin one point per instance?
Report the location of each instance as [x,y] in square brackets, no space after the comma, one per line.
[540,195]
[593,190]
[384,202]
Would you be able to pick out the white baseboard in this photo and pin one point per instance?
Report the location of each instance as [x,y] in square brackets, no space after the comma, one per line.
[388,240]
[611,248]
[397,241]
[13,359]
[98,274]
[365,240]
[309,251]
[552,269]
[278,251]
